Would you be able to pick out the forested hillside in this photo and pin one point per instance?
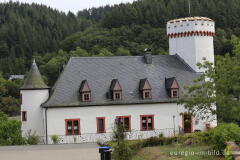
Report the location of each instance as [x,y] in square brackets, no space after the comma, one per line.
[126,29]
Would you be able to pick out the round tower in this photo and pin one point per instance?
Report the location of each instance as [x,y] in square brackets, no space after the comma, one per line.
[191,39]
[34,92]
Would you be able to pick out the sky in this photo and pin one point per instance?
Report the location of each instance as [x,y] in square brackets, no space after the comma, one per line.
[73,5]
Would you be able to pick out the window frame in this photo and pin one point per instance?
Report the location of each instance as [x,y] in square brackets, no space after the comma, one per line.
[114,95]
[83,96]
[104,124]
[147,91]
[123,117]
[172,93]
[24,118]
[141,128]
[66,129]
[21,99]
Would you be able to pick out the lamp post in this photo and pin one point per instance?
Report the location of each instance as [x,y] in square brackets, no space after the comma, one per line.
[174,125]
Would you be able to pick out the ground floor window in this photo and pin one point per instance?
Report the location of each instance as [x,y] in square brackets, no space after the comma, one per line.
[147,122]
[72,126]
[101,125]
[24,115]
[125,121]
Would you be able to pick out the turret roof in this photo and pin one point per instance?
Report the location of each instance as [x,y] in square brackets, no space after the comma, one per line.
[34,79]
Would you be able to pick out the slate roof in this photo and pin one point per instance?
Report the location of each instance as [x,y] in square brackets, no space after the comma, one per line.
[128,70]
[34,79]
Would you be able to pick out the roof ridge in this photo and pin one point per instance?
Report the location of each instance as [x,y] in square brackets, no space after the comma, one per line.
[111,57]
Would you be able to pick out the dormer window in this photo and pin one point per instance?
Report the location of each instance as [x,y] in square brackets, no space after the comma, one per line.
[85,92]
[174,93]
[172,87]
[115,90]
[117,95]
[86,97]
[145,89]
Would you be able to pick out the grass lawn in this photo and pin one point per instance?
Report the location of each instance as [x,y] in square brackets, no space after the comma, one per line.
[176,152]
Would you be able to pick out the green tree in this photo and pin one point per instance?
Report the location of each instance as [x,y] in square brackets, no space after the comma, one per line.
[122,150]
[104,52]
[79,52]
[122,52]
[9,97]
[10,131]
[218,86]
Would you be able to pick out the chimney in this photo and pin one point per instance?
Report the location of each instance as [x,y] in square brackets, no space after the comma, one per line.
[148,55]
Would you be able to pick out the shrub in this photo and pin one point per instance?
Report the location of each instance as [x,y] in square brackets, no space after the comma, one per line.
[196,138]
[122,150]
[223,133]
[228,153]
[55,139]
[161,135]
[32,139]
[10,131]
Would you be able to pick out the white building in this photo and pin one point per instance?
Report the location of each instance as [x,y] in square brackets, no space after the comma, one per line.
[139,91]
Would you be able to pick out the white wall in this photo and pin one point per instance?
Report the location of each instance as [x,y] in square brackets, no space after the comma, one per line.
[31,101]
[163,117]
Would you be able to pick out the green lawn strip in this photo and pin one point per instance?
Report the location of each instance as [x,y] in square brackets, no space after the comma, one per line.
[150,153]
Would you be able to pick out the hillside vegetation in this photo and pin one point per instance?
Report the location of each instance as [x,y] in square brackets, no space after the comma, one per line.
[52,37]
[125,29]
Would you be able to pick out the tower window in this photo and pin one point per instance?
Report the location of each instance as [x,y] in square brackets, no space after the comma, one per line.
[20,98]
[24,115]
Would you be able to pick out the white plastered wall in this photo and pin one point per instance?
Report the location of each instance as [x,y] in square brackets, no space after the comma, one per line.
[163,117]
[31,103]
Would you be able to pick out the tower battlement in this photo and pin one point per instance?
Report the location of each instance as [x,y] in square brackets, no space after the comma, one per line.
[192,39]
[190,26]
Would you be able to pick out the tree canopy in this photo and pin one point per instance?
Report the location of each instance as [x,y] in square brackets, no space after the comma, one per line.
[217,86]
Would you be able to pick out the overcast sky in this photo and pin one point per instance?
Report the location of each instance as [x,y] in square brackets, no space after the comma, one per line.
[73,5]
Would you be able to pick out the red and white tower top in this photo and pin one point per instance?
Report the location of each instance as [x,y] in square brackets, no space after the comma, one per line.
[191,39]
[190,26]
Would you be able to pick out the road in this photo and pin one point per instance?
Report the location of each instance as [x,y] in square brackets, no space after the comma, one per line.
[87,151]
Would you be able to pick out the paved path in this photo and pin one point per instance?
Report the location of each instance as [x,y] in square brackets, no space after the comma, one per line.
[51,152]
